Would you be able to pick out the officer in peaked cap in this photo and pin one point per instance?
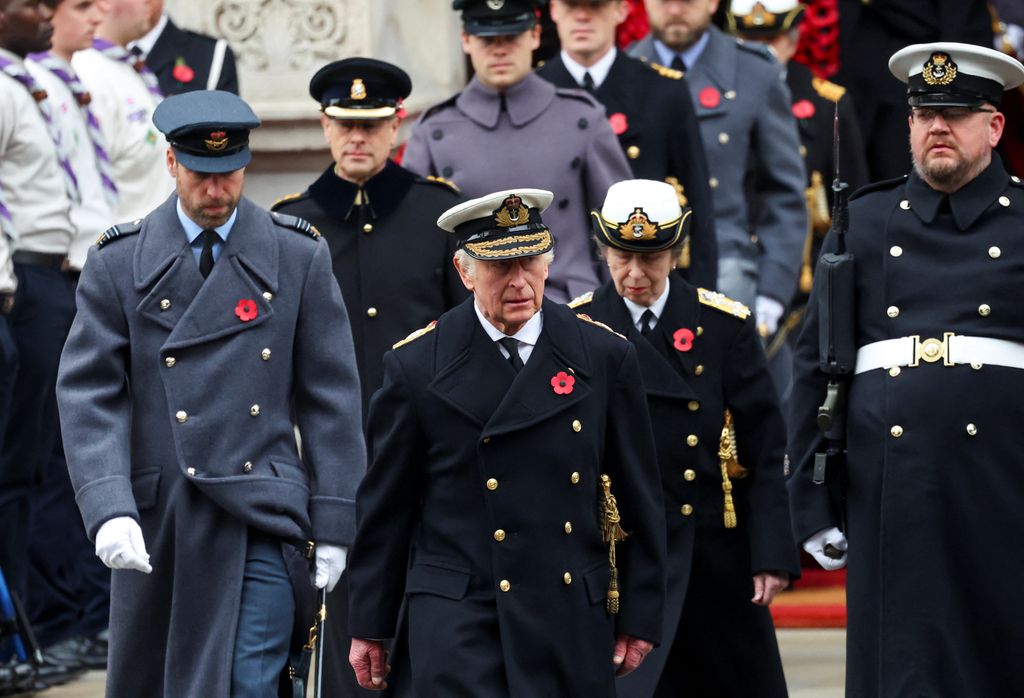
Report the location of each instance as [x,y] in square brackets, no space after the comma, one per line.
[392,263]
[933,456]
[497,17]
[730,544]
[211,290]
[490,437]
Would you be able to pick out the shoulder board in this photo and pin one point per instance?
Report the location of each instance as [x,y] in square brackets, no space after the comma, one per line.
[1016,181]
[441,181]
[665,71]
[118,231]
[723,303]
[440,105]
[284,199]
[295,223]
[756,48]
[416,335]
[578,94]
[829,90]
[878,186]
[581,300]
[586,318]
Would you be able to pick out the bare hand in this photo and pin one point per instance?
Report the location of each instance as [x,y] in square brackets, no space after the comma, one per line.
[369,660]
[629,653]
[767,585]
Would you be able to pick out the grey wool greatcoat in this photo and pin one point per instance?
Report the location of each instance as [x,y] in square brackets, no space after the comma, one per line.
[724,645]
[179,414]
[544,137]
[743,109]
[491,479]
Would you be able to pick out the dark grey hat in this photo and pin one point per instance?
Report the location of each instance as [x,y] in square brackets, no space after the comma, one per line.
[208,129]
[497,17]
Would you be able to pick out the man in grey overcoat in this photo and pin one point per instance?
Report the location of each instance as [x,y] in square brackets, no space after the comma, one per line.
[207,333]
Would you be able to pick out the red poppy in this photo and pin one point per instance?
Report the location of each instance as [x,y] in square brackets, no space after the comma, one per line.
[710,98]
[183,71]
[246,310]
[562,383]
[618,123]
[682,339]
[804,109]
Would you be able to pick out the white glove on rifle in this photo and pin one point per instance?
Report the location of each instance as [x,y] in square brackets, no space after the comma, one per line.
[767,312]
[815,545]
[120,545]
[330,563]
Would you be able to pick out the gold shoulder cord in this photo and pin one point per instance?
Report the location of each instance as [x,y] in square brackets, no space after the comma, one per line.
[730,465]
[611,533]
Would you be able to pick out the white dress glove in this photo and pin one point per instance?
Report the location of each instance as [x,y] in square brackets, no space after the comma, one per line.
[815,545]
[768,312]
[120,545]
[330,563]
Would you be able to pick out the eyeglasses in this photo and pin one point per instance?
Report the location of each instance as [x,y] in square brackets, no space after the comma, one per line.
[951,115]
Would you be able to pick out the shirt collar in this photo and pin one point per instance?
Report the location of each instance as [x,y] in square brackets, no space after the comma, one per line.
[657,307]
[192,229]
[690,56]
[598,71]
[527,334]
[147,42]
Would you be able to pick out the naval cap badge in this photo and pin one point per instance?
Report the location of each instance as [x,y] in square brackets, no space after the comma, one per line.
[638,227]
[512,212]
[939,70]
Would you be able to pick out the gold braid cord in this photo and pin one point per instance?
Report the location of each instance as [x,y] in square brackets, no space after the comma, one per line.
[727,458]
[611,533]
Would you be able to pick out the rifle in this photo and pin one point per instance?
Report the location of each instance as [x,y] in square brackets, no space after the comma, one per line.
[834,291]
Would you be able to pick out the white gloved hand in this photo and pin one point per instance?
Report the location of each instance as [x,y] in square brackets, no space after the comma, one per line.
[767,312]
[815,545]
[120,545]
[330,563]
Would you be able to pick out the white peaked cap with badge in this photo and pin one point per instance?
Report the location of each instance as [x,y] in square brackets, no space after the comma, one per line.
[503,225]
[763,17]
[659,200]
[744,7]
[953,74]
[484,206]
[641,215]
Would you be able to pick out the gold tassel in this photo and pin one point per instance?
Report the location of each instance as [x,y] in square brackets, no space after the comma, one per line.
[727,458]
[611,533]
[819,220]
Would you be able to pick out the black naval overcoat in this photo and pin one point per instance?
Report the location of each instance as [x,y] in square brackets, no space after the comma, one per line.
[195,50]
[725,645]
[661,140]
[491,479]
[935,476]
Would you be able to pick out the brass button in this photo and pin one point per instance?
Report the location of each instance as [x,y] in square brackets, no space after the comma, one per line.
[191,471]
[994,252]
[1004,201]
[577,425]
[976,365]
[170,361]
[574,478]
[698,369]
[894,371]
[895,250]
[803,150]
[487,439]
[689,475]
[265,354]
[371,312]
[492,484]
[730,94]
[700,330]
[686,510]
[713,182]
[693,405]
[254,410]
[568,526]
[567,578]
[984,310]
[905,205]
[1015,178]
[632,152]
[499,535]
[504,585]
[723,137]
[896,431]
[368,228]
[892,311]
[268,296]
[181,416]
[692,440]
[165,304]
[247,467]
[971,430]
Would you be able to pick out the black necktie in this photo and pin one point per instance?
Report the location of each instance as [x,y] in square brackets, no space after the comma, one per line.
[206,257]
[512,347]
[646,322]
[588,83]
[678,64]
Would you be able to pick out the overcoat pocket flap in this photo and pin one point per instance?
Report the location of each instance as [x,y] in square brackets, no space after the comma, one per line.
[439,581]
[145,488]
[596,581]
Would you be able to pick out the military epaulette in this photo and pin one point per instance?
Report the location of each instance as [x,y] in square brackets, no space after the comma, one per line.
[721,302]
[119,231]
[295,223]
[446,183]
[586,318]
[878,186]
[582,299]
[757,48]
[440,105]
[284,199]
[665,71]
[416,335]
[827,89]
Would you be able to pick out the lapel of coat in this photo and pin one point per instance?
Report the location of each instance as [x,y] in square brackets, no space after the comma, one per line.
[622,92]
[162,53]
[164,263]
[531,398]
[681,312]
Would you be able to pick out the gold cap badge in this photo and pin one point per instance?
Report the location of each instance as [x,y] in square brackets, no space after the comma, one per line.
[939,70]
[512,213]
[495,4]
[358,90]
[218,140]
[638,227]
[759,17]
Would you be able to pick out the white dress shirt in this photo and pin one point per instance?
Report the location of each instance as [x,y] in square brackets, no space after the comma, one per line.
[598,71]
[636,310]
[527,335]
[146,43]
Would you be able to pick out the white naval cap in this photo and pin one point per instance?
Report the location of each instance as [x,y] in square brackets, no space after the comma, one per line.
[949,74]
[641,215]
[502,225]
[763,17]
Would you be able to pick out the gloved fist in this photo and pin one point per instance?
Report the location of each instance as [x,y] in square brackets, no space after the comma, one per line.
[330,563]
[767,312]
[120,545]
[818,546]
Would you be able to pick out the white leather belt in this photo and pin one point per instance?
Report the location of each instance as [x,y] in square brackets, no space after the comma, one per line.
[950,350]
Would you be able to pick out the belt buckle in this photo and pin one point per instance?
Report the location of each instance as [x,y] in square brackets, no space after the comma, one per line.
[931,349]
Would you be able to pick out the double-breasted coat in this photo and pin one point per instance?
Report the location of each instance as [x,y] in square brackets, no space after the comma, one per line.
[716,642]
[661,140]
[179,412]
[177,47]
[935,472]
[492,479]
